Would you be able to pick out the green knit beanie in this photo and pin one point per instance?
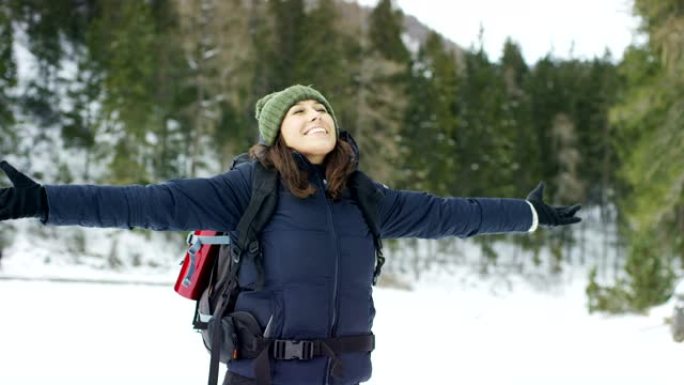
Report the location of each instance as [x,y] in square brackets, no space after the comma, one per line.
[271,109]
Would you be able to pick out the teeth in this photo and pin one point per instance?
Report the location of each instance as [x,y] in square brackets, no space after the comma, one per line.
[316,130]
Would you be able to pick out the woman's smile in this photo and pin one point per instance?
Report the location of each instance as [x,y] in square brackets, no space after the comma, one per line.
[316,130]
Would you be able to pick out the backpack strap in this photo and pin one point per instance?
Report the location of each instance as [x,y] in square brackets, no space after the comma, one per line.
[368,196]
[262,204]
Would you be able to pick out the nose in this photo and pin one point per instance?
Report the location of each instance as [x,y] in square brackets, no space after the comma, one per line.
[316,115]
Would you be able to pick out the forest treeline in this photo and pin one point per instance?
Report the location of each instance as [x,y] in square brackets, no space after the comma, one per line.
[144,91]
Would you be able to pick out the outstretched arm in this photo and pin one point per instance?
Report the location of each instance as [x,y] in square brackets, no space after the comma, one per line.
[185,204]
[423,215]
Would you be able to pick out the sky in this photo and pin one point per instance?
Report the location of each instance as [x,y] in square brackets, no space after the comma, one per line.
[579,28]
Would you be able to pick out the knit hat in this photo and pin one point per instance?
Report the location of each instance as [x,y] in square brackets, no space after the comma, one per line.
[271,109]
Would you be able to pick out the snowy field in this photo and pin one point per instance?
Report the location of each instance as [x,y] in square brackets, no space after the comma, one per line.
[87,333]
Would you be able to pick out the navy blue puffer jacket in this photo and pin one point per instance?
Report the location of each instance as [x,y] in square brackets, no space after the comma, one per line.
[318,253]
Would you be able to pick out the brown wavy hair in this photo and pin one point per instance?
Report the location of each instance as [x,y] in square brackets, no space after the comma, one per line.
[339,164]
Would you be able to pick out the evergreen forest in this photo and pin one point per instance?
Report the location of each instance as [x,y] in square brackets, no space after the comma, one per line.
[138,92]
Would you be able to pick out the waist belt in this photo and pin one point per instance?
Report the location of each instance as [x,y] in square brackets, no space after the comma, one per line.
[308,349]
[305,350]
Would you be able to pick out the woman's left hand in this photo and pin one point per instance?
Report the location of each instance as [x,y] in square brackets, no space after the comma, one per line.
[552,215]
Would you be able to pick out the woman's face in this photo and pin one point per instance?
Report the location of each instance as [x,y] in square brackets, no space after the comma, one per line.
[309,129]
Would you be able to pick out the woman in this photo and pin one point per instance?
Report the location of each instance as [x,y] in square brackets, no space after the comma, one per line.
[318,253]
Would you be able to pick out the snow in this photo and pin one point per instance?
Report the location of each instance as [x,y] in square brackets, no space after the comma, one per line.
[455,328]
[49,252]
[523,337]
[442,332]
[516,325]
[71,333]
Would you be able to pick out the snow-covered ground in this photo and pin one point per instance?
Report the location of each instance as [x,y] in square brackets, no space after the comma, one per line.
[443,332]
[456,329]
[453,328]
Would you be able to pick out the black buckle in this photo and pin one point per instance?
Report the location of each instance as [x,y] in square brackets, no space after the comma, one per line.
[253,247]
[235,253]
[292,349]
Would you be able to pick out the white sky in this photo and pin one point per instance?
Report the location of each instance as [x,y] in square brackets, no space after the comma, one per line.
[583,27]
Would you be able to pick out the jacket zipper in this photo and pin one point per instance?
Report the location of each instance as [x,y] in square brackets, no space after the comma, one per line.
[333,318]
[333,327]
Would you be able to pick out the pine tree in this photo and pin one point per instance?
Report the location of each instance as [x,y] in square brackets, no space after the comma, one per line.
[386,27]
[261,81]
[8,77]
[214,36]
[649,118]
[81,121]
[517,120]
[599,88]
[485,144]
[289,35]
[320,62]
[650,274]
[42,26]
[168,131]
[381,92]
[656,162]
[117,36]
[54,33]
[432,124]
[564,143]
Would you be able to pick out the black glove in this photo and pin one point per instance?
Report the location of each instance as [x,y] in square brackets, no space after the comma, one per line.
[26,199]
[552,215]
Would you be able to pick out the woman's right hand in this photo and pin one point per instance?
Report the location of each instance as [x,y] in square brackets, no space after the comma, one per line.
[25,199]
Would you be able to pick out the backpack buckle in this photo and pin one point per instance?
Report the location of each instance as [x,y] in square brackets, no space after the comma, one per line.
[293,350]
[253,247]
[235,253]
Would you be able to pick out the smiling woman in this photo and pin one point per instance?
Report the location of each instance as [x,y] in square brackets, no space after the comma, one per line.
[295,303]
